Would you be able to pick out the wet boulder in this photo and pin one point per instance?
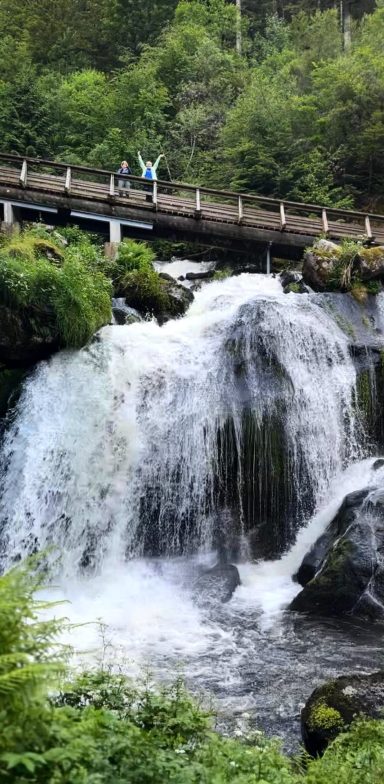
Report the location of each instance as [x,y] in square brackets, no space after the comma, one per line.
[176,300]
[218,583]
[123,314]
[203,275]
[343,573]
[26,336]
[332,707]
[290,276]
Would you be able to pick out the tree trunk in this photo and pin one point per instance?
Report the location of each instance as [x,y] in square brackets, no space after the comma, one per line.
[239,41]
[345,22]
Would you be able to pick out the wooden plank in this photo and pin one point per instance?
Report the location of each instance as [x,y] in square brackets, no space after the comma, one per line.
[240,210]
[68,178]
[24,174]
[197,203]
[325,221]
[368,229]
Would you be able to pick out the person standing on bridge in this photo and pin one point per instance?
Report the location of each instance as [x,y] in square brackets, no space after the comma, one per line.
[149,170]
[124,184]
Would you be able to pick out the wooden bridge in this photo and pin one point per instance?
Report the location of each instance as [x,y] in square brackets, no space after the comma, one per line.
[58,193]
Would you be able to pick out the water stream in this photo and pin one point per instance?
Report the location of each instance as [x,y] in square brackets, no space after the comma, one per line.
[130,455]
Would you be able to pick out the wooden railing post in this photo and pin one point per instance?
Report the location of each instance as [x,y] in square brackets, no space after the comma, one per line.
[23,175]
[240,208]
[154,193]
[112,185]
[325,221]
[68,181]
[368,229]
[197,203]
[283,221]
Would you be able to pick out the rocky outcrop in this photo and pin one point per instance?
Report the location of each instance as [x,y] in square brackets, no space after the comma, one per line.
[26,336]
[333,706]
[329,267]
[343,573]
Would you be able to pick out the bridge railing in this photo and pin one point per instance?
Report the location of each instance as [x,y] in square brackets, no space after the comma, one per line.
[192,200]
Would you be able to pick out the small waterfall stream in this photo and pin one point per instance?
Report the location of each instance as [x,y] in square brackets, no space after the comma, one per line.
[132,456]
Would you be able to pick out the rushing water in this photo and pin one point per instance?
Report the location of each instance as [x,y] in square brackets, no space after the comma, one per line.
[120,451]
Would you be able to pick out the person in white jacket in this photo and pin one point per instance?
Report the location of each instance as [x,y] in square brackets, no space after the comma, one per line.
[149,171]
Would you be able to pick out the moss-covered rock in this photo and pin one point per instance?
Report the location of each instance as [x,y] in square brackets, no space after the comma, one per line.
[346,267]
[149,292]
[343,573]
[332,707]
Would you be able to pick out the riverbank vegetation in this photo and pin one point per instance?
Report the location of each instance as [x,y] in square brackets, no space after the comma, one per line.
[98,727]
[297,114]
[61,288]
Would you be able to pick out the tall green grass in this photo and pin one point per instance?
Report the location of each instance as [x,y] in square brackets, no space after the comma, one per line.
[65,286]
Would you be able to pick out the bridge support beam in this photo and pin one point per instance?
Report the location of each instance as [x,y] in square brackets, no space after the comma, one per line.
[114,231]
[10,223]
[269,258]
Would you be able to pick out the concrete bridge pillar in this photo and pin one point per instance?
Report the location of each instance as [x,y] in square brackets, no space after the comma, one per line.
[9,213]
[114,231]
[10,223]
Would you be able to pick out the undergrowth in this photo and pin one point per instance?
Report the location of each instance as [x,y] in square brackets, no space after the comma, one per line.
[64,287]
[100,728]
[134,277]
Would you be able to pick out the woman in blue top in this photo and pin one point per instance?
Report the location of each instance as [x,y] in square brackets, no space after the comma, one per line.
[149,171]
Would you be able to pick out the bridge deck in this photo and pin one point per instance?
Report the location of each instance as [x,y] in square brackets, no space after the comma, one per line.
[211,211]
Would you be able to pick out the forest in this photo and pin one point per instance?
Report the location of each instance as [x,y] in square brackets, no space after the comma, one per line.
[294,109]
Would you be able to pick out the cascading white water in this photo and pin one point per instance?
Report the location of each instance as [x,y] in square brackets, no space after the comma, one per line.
[114,452]
[133,421]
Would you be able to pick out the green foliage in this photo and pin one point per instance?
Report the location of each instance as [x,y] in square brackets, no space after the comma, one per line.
[297,115]
[29,661]
[134,277]
[324,717]
[222,274]
[70,291]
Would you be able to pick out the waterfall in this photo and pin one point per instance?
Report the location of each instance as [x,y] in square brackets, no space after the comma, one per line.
[231,421]
[235,425]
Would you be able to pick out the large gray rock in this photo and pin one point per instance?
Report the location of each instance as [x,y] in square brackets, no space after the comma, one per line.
[343,573]
[332,707]
[318,270]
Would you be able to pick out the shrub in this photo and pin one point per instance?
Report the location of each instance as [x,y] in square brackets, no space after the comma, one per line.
[134,277]
[72,298]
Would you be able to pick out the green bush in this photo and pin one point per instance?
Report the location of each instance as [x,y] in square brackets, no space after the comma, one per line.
[72,297]
[134,277]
